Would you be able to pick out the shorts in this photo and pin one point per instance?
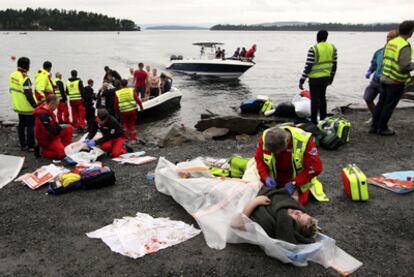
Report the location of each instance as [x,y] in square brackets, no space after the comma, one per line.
[141,91]
[372,90]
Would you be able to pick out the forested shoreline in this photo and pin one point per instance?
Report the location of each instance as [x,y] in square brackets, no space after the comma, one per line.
[61,20]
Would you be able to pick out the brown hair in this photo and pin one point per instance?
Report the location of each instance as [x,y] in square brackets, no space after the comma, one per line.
[309,230]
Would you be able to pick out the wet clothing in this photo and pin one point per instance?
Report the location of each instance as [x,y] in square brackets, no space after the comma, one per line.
[166,85]
[312,167]
[114,74]
[106,99]
[275,220]
[51,137]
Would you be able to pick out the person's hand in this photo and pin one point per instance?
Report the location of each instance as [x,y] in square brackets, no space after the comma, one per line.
[290,187]
[63,126]
[368,74]
[263,200]
[270,182]
[301,82]
[91,143]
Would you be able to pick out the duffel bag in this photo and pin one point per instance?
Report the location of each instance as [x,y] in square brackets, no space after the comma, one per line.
[252,105]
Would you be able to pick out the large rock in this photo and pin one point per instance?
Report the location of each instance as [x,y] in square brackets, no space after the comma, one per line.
[177,134]
[214,132]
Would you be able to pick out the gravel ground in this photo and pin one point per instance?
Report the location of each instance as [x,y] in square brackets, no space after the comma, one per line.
[44,235]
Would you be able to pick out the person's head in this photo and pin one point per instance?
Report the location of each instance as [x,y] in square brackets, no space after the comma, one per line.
[276,140]
[308,226]
[90,82]
[58,75]
[103,115]
[254,46]
[154,71]
[163,76]
[23,63]
[140,66]
[124,83]
[406,28]
[47,66]
[117,84]
[52,102]
[107,69]
[322,36]
[74,73]
[131,71]
[148,68]
[392,34]
[244,48]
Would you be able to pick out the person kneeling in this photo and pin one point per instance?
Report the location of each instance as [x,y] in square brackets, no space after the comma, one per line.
[112,134]
[281,217]
[51,136]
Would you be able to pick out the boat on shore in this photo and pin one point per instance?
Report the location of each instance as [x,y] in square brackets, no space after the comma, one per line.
[207,65]
[161,105]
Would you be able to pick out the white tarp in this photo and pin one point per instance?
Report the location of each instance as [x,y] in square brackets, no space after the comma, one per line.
[73,151]
[217,203]
[10,166]
[137,236]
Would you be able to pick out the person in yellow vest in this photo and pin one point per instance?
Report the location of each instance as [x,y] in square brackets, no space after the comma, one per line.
[62,110]
[75,91]
[320,68]
[126,100]
[43,83]
[396,67]
[287,157]
[24,103]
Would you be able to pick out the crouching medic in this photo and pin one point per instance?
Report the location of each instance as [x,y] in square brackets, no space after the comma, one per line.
[51,136]
[113,139]
[287,157]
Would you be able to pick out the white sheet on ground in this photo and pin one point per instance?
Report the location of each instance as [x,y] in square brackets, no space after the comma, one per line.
[217,204]
[10,166]
[137,236]
[73,151]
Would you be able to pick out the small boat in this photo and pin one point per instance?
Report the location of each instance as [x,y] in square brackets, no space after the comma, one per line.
[209,66]
[161,105]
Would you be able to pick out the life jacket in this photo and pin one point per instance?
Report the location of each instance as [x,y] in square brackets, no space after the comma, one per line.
[16,88]
[324,57]
[390,63]
[126,100]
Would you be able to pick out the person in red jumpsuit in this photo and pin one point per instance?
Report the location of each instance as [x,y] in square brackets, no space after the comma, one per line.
[51,136]
[250,53]
[280,141]
[113,139]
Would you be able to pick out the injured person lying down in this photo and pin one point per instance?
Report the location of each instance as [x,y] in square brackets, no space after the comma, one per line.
[281,217]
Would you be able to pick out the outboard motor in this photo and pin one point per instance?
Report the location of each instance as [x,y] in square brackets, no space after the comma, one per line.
[179,57]
[173,57]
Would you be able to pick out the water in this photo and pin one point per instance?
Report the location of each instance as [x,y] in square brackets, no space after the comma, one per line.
[279,63]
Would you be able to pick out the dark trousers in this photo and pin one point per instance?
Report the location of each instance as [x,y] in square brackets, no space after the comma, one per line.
[25,130]
[317,87]
[389,97]
[141,91]
[90,117]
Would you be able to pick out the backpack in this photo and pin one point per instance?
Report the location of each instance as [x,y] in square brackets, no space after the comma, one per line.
[252,105]
[335,132]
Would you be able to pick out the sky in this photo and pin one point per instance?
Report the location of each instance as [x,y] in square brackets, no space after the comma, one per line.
[211,12]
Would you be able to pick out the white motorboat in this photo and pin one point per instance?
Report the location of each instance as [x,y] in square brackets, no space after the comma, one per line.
[161,105]
[209,66]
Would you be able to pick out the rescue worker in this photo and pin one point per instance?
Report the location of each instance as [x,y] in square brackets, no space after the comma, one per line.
[51,136]
[43,82]
[62,110]
[396,67]
[126,100]
[287,157]
[89,103]
[113,139]
[75,91]
[320,67]
[23,103]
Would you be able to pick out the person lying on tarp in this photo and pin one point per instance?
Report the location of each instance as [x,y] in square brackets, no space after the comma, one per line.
[281,217]
[287,157]
[113,139]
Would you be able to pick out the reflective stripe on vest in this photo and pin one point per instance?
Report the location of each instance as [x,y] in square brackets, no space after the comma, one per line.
[57,90]
[126,100]
[42,82]
[73,90]
[19,100]
[324,56]
[300,141]
[390,63]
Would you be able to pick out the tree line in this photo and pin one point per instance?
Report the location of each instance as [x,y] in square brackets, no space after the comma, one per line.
[62,20]
[310,27]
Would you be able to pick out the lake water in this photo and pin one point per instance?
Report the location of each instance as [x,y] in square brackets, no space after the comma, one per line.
[279,63]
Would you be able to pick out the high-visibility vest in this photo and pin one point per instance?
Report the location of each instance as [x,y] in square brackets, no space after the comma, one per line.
[126,100]
[390,63]
[57,90]
[42,82]
[300,141]
[73,90]
[324,57]
[20,103]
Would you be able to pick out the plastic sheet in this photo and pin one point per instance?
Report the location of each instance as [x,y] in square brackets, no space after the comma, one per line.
[302,106]
[10,166]
[217,204]
[73,151]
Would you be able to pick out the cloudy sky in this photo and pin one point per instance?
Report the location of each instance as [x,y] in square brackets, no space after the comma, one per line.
[210,12]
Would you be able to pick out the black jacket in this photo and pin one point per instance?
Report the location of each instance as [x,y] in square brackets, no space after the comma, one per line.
[110,129]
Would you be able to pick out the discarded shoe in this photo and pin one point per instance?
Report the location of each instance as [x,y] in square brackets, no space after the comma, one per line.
[387,132]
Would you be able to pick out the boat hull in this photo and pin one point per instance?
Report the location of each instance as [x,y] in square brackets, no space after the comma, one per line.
[161,106]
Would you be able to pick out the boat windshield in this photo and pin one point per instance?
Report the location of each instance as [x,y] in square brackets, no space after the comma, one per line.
[208,49]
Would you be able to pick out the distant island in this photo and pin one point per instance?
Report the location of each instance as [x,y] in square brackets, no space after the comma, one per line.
[303,26]
[61,20]
[175,27]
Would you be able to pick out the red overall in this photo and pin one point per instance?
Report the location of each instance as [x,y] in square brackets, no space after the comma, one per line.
[63,112]
[78,113]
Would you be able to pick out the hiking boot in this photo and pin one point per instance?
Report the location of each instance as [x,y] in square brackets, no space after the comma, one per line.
[372,130]
[387,132]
